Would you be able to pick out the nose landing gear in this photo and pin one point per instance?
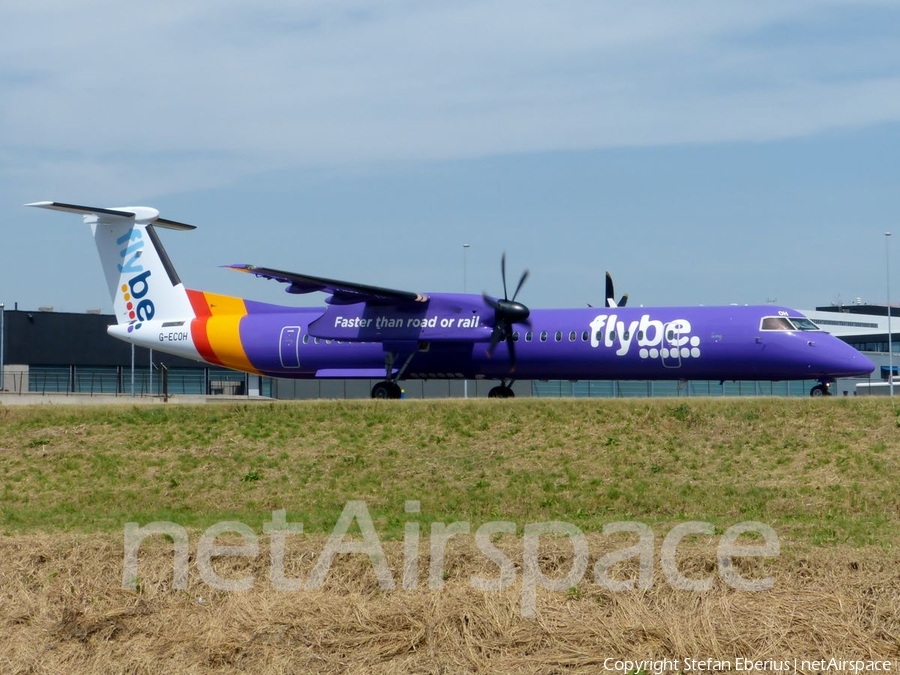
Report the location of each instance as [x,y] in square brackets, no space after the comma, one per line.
[821,389]
[504,390]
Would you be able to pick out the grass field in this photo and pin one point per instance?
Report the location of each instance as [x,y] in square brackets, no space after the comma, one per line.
[822,473]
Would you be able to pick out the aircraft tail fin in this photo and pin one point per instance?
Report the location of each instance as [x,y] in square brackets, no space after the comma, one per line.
[142,281]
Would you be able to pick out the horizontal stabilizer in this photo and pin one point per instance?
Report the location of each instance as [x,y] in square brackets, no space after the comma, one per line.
[143,284]
[141,214]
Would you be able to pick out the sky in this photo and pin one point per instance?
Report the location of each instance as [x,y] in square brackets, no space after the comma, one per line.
[703,152]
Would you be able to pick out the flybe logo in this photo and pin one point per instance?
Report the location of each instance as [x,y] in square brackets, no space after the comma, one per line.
[654,338]
[134,290]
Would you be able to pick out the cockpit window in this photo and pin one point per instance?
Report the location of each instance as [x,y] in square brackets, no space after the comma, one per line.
[785,323]
[776,323]
[802,323]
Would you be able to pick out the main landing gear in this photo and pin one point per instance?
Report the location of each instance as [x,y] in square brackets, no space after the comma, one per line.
[503,390]
[386,389]
[821,389]
[389,388]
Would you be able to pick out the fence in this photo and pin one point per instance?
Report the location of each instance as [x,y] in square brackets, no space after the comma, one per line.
[649,388]
[118,381]
[214,381]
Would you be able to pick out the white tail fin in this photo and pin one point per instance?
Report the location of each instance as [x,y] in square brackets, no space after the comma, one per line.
[142,282]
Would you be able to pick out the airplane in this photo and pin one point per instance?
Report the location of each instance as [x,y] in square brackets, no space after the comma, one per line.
[371,332]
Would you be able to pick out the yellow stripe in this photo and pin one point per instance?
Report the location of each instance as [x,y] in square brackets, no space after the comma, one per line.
[225,339]
[220,305]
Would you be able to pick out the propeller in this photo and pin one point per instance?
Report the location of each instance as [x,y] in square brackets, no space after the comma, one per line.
[611,294]
[507,312]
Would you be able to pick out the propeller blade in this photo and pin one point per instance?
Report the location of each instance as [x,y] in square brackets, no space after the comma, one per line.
[521,281]
[507,313]
[623,300]
[496,336]
[610,291]
[491,302]
[511,345]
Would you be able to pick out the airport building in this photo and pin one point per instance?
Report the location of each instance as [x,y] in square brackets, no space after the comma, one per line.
[872,329]
[45,352]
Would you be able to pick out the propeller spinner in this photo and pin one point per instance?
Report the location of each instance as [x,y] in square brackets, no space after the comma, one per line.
[507,313]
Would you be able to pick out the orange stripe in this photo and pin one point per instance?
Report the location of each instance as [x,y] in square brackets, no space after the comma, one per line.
[224,333]
[221,305]
[216,330]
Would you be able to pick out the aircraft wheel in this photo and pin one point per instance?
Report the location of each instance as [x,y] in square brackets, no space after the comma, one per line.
[501,392]
[819,390]
[386,390]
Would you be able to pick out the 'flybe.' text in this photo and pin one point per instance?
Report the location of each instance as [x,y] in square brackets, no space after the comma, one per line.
[654,338]
[134,290]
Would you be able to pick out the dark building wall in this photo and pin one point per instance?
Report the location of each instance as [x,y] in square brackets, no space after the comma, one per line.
[870,310]
[56,339]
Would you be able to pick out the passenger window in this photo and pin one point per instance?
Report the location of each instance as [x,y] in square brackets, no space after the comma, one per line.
[306,338]
[516,336]
[573,336]
[585,336]
[558,336]
[543,336]
[528,336]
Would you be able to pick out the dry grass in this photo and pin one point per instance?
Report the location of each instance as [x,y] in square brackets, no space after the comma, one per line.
[64,610]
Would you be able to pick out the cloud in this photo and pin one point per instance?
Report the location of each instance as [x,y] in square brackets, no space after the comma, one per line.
[179,96]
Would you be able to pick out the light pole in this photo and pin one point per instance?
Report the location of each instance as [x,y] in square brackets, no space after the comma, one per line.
[465,266]
[2,340]
[887,269]
[465,289]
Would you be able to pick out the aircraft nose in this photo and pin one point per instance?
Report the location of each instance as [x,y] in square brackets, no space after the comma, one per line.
[842,360]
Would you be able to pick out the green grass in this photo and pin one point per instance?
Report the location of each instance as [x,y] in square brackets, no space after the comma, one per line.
[818,471]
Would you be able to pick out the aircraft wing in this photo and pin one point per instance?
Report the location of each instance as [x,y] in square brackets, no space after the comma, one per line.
[342,292]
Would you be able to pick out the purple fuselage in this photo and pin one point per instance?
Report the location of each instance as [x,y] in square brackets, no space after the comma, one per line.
[448,337]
